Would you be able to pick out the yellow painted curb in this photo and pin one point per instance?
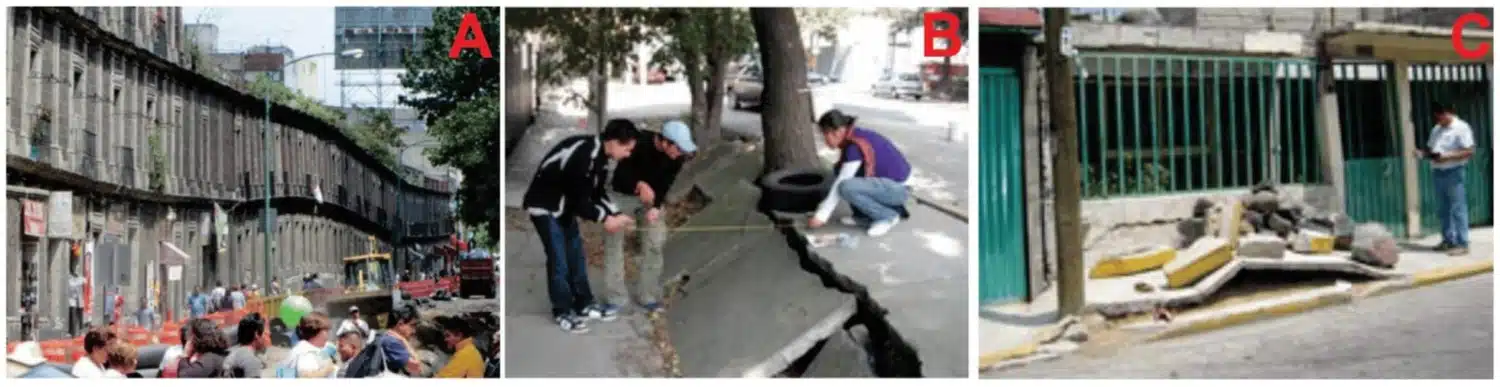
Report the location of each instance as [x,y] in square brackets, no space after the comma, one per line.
[1133,262]
[1204,257]
[1255,315]
[989,359]
[1451,273]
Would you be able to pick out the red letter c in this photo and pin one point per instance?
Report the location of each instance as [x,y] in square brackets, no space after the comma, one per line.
[1458,36]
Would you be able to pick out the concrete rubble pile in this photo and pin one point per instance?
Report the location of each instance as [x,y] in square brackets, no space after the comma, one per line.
[1271,222]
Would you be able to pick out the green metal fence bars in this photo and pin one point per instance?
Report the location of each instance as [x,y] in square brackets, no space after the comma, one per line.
[1467,88]
[1371,143]
[1002,223]
[1157,124]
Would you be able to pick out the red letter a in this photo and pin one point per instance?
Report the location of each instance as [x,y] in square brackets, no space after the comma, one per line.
[930,34]
[462,42]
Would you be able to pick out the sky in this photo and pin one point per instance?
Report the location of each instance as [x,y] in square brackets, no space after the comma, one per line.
[306,30]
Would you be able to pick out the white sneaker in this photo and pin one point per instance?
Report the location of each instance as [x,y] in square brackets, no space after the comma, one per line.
[882,227]
[849,221]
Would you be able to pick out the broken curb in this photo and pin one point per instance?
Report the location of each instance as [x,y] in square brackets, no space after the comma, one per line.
[993,359]
[1417,280]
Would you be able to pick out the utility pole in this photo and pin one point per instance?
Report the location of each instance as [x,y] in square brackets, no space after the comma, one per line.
[1060,110]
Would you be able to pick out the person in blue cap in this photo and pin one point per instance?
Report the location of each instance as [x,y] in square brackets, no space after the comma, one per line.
[640,185]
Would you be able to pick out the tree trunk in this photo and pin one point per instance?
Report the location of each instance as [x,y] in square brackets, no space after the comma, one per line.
[945,83]
[598,103]
[713,96]
[786,109]
[699,110]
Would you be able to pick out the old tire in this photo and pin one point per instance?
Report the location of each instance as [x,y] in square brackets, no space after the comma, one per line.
[795,190]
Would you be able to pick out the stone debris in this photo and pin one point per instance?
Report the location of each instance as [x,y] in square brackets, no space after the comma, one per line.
[1197,261]
[1262,246]
[1308,241]
[1374,245]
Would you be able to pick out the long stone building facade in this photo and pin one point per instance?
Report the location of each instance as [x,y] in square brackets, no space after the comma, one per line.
[127,166]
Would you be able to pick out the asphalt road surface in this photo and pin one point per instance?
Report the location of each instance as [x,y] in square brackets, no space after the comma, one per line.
[1445,331]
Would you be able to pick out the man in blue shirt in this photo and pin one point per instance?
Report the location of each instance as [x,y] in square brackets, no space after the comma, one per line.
[197,303]
[872,176]
[1449,147]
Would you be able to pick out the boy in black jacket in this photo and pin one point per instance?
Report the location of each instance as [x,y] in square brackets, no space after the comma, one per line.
[570,184]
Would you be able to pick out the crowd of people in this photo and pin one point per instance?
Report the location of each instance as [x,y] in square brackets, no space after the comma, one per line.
[351,351]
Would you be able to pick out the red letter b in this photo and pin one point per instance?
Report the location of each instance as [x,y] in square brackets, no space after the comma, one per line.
[930,34]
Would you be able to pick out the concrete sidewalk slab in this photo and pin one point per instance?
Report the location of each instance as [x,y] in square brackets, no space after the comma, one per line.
[919,273]
[1014,330]
[1118,295]
[535,347]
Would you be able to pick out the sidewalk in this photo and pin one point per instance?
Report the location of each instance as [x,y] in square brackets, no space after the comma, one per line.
[535,347]
[1015,330]
[920,274]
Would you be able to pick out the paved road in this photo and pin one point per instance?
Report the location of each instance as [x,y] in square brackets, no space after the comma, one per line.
[1443,331]
[942,166]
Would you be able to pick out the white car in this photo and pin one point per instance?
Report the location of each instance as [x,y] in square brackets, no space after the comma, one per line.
[900,85]
[744,91]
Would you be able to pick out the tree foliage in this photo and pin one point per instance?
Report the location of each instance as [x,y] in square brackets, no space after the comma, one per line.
[823,23]
[374,131]
[583,42]
[704,41]
[460,101]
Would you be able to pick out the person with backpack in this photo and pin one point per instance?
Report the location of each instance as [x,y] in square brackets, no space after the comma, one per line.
[203,356]
[310,358]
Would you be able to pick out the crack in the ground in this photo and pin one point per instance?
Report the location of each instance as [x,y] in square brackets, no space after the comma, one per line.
[890,354]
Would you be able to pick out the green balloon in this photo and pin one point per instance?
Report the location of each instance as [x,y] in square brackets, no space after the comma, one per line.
[292,310]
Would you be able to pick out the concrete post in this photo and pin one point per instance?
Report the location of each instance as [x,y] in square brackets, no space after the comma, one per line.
[954,133]
[1408,148]
[1331,135]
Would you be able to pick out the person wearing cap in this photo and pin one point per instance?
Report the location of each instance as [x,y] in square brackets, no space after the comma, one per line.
[1449,147]
[639,186]
[353,323]
[569,185]
[872,176]
[466,361]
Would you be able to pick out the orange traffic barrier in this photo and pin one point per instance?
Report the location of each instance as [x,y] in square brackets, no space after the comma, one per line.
[55,350]
[217,318]
[137,336]
[75,351]
[171,334]
[11,347]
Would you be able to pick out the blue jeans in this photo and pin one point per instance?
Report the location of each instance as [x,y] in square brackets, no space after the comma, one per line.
[567,269]
[874,198]
[1453,205]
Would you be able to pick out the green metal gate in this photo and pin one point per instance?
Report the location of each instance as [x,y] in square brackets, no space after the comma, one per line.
[1002,220]
[1467,88]
[1371,139]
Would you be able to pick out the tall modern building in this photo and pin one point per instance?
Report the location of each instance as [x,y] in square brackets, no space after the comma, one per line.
[386,34]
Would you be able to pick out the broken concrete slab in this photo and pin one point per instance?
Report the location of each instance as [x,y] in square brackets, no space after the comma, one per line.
[1312,242]
[1199,260]
[1131,261]
[1265,202]
[1262,246]
[842,356]
[756,313]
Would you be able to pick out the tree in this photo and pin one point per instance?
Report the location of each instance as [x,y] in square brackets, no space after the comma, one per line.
[454,97]
[705,41]
[785,115]
[585,42]
[377,134]
[822,24]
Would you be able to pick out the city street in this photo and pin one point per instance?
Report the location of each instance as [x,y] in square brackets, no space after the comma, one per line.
[918,127]
[1443,331]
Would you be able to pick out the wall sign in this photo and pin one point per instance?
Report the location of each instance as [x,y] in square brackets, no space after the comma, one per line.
[34,214]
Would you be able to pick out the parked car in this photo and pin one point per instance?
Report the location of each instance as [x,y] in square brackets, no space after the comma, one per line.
[899,85]
[745,91]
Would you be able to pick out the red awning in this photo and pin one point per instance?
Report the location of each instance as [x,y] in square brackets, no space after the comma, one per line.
[1010,17]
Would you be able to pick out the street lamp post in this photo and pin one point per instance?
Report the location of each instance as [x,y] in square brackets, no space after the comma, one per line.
[265,136]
